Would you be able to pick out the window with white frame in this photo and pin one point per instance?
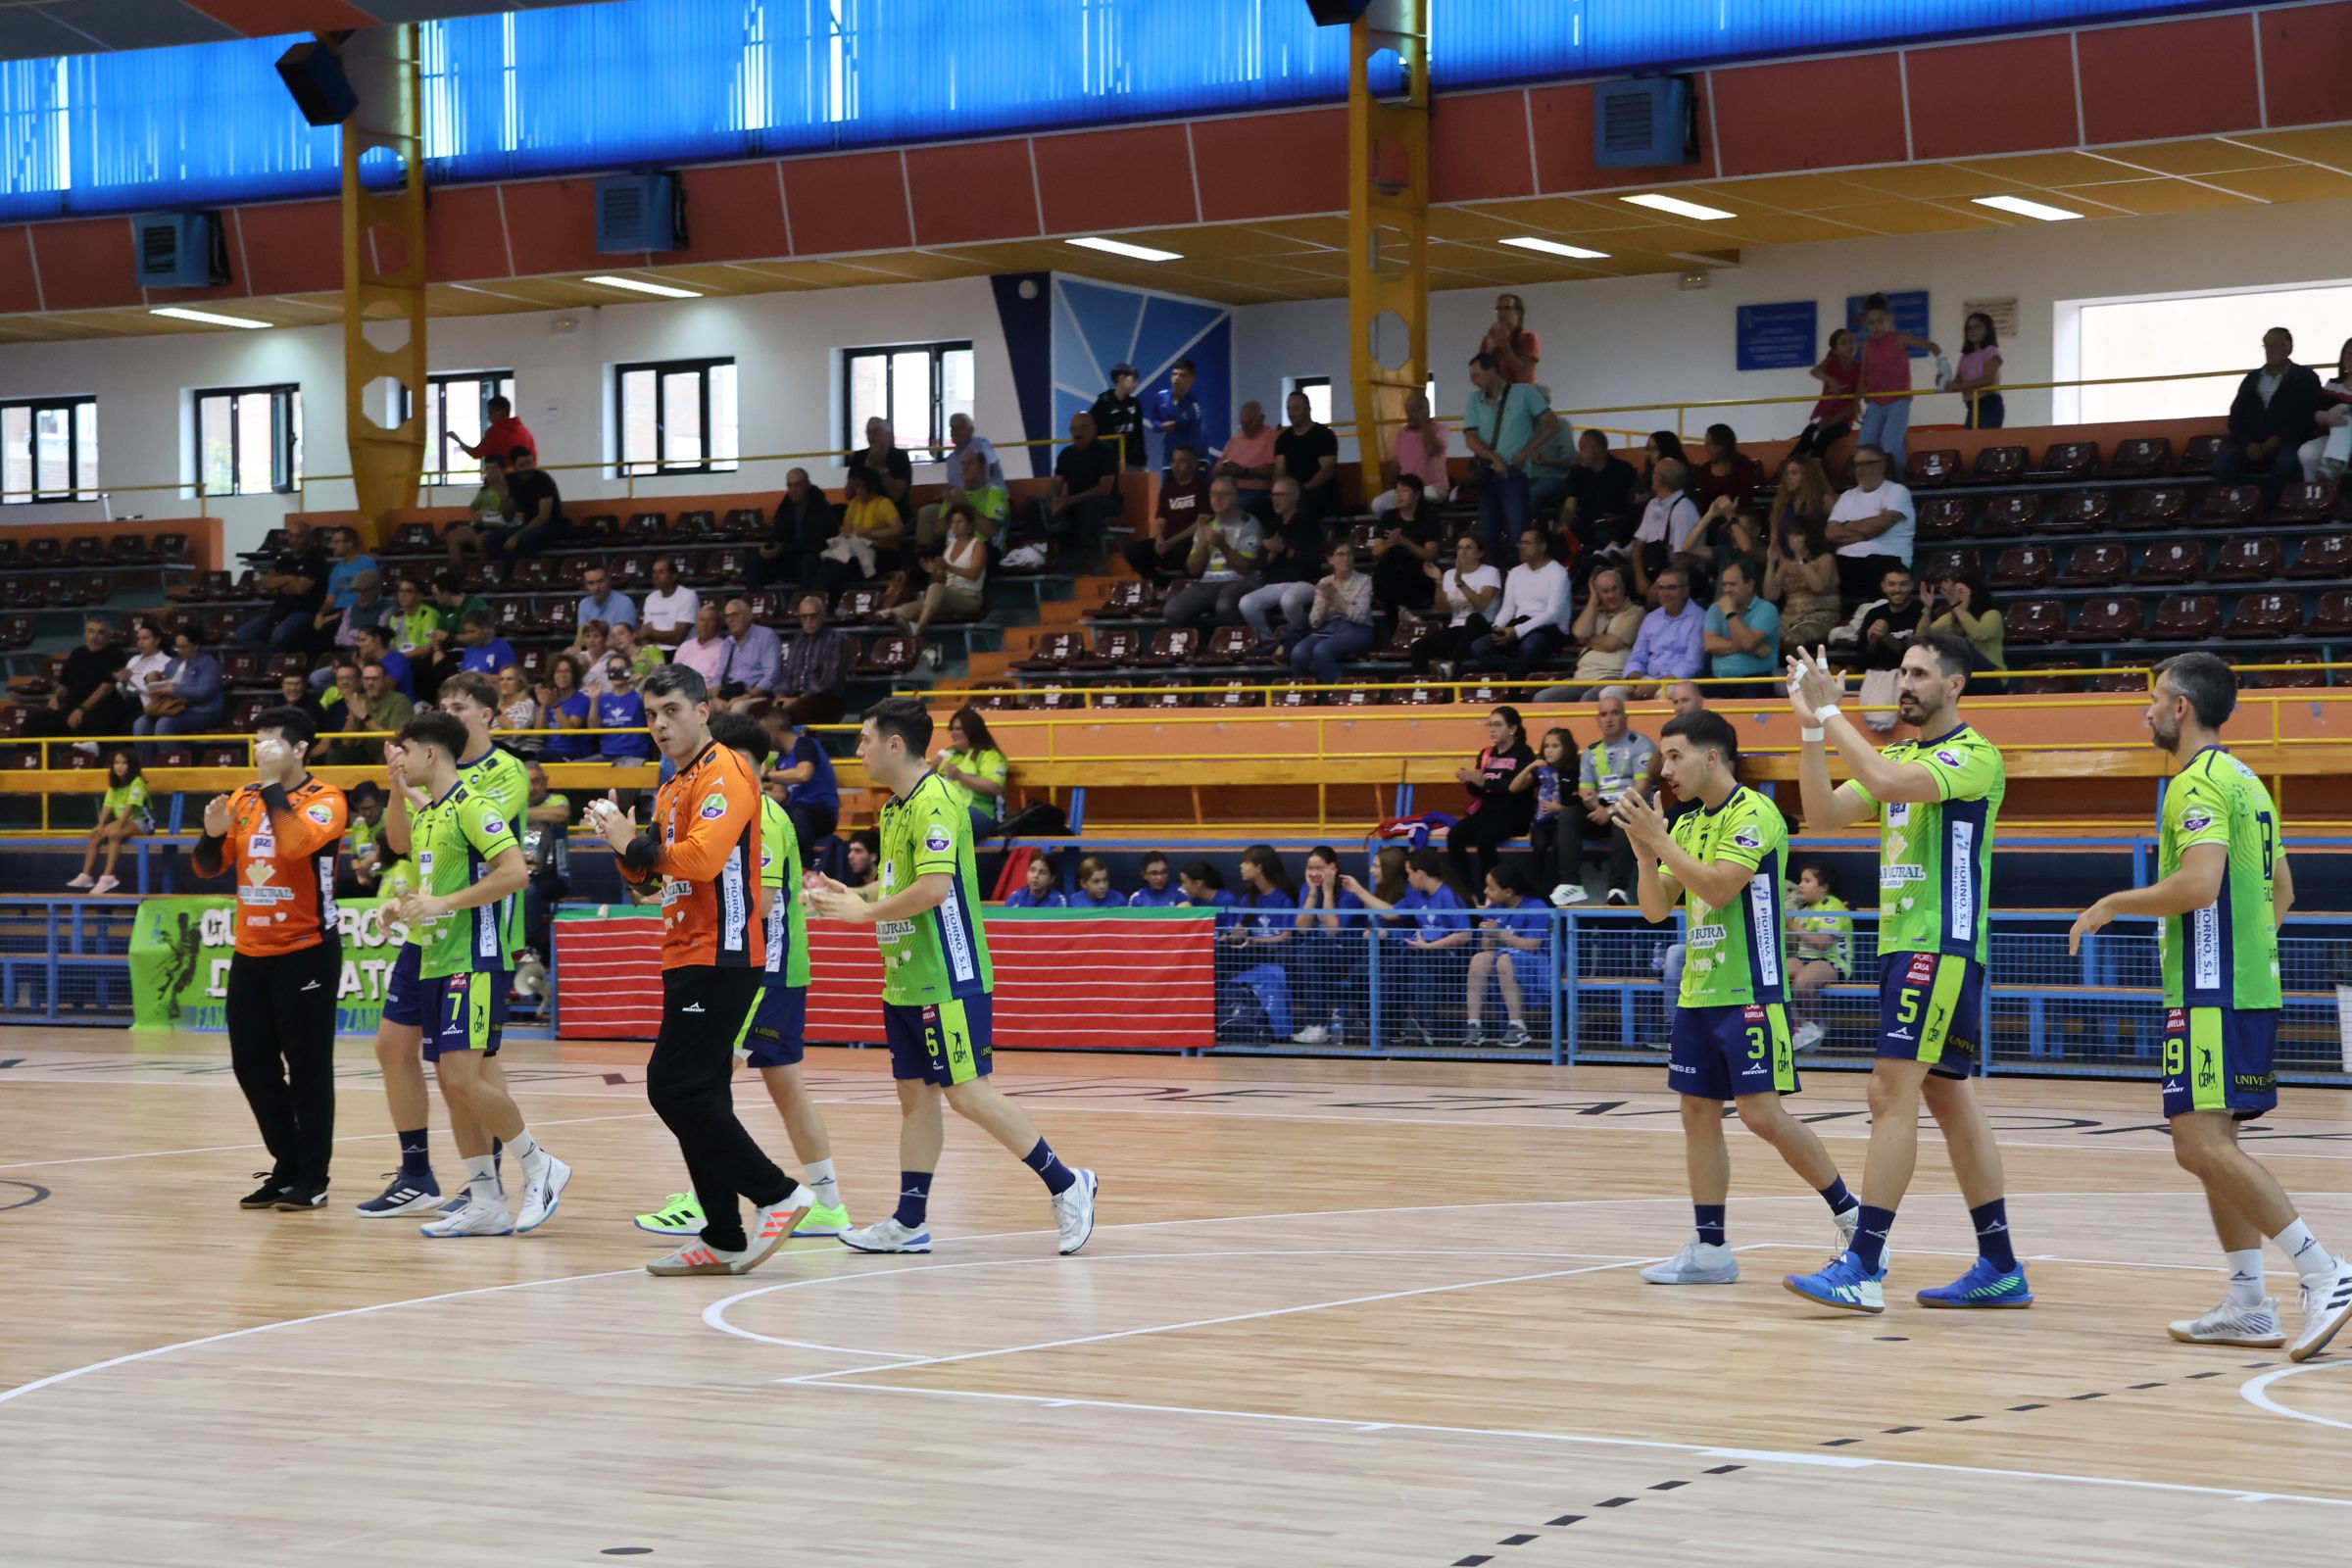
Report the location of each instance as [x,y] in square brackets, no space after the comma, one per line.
[457,403]
[248,439]
[917,387]
[48,450]
[675,417]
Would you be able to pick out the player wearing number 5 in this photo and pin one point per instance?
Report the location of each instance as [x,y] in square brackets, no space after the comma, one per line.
[1731,1032]
[2223,888]
[1938,800]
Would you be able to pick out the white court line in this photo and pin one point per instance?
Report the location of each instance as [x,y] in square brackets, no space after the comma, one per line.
[230,1148]
[2256,1392]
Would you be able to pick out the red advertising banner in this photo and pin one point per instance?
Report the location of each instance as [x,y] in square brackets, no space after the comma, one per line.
[1129,980]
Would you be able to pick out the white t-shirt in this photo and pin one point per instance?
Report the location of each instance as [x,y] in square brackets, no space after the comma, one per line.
[1668,520]
[1449,590]
[1860,505]
[671,611]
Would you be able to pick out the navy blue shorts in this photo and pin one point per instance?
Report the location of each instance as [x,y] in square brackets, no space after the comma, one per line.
[772,1036]
[1931,1010]
[466,1012]
[945,1044]
[2219,1059]
[404,992]
[1724,1052]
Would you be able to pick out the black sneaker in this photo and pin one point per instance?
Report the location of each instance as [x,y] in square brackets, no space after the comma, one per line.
[1516,1038]
[1474,1036]
[304,1195]
[267,1195]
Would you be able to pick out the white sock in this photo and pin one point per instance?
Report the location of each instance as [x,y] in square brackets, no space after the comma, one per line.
[526,1148]
[2311,1261]
[2245,1278]
[821,1182]
[481,1179]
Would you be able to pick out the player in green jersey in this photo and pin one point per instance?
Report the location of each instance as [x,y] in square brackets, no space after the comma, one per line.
[468,866]
[2222,889]
[1938,800]
[935,983]
[771,1040]
[500,777]
[1730,1031]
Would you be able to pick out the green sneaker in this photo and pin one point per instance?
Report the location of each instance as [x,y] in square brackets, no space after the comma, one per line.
[825,1220]
[679,1216]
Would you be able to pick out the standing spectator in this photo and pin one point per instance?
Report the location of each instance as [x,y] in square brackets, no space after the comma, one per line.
[1311,454]
[296,584]
[748,673]
[889,473]
[1176,414]
[1120,419]
[1161,548]
[959,586]
[2328,454]
[2270,420]
[1557,832]
[1043,891]
[795,541]
[1406,545]
[1505,423]
[975,769]
[564,705]
[1839,373]
[706,651]
[1599,496]
[502,435]
[190,699]
[1889,624]
[804,770]
[123,815]
[1084,496]
[350,564]
[1533,614]
[1418,448]
[1872,526]
[1339,621]
[1978,375]
[815,667]
[1621,760]
[1725,471]
[1668,523]
[1248,460]
[1290,559]
[87,701]
[1820,946]
[485,651]
[671,607]
[1672,642]
[1961,606]
[1743,631]
[1887,379]
[1604,633]
[601,600]
[1800,576]
[537,506]
[518,711]
[1497,813]
[1466,591]
[1224,563]
[1514,932]
[621,715]
[1514,348]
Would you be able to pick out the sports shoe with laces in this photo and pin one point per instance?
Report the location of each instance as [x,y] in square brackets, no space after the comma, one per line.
[824,1219]
[265,1195]
[492,1218]
[301,1195]
[772,1226]
[1808,1035]
[107,884]
[1846,1285]
[1697,1263]
[1983,1286]
[1515,1037]
[540,1196]
[1567,895]
[680,1214]
[81,883]
[1474,1035]
[887,1236]
[405,1195]
[697,1257]
[2326,1303]
[1074,1212]
[2255,1328]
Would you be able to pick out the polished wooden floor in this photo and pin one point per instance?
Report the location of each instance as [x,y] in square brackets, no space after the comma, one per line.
[1336,1314]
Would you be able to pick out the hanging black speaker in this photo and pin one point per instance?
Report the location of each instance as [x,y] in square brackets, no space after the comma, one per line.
[313,74]
[1337,13]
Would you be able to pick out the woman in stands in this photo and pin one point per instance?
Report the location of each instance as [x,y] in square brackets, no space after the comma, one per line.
[974,769]
[563,705]
[1839,373]
[1258,920]
[1725,471]
[123,815]
[1466,591]
[1043,891]
[1978,374]
[518,709]
[1203,886]
[2328,454]
[1406,545]
[1557,833]
[1962,606]
[1800,569]
[1820,946]
[959,577]
[1497,814]
[1328,962]
[1267,887]
[1664,444]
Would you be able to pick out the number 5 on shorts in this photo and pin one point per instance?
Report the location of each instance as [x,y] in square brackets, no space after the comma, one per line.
[1906,1006]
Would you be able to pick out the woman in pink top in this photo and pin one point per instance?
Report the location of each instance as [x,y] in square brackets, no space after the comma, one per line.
[1839,373]
[1980,372]
[1887,370]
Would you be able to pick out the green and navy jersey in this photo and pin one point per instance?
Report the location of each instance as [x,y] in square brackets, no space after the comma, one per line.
[128,800]
[1826,917]
[2226,953]
[1936,857]
[454,839]
[780,874]
[942,953]
[1735,952]
[499,779]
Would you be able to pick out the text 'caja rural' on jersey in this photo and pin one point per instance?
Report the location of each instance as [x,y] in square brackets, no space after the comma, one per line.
[1936,857]
[2226,953]
[706,830]
[942,953]
[284,865]
[1735,952]
[455,839]
[780,894]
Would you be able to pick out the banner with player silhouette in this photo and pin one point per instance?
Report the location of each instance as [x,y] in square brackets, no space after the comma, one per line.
[180,953]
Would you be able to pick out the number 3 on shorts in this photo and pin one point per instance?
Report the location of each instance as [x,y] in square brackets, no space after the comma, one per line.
[1759,1041]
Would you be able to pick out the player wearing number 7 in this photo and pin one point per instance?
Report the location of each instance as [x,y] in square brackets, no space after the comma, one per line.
[1938,800]
[1731,1032]
[2223,888]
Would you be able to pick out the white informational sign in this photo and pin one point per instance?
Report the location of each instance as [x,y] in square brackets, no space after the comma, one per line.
[2002,312]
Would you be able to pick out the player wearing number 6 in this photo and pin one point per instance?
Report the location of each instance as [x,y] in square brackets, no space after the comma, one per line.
[1938,800]
[2223,888]
[1731,1032]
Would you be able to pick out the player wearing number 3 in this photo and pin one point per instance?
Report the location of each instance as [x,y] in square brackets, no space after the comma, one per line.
[1938,800]
[2223,888]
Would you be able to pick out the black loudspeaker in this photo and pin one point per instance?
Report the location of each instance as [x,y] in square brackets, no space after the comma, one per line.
[1337,13]
[313,74]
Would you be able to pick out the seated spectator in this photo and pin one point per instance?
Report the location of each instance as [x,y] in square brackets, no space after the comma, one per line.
[1872,526]
[340,627]
[1662,446]
[1224,564]
[189,698]
[1514,947]
[1160,890]
[1328,961]
[1891,621]
[86,699]
[2270,420]
[485,652]
[1084,497]
[564,705]
[123,815]
[1531,617]
[369,858]
[1668,523]
[1505,423]
[1599,496]
[535,504]
[1175,412]
[1800,576]
[1516,349]
[1839,373]
[294,691]
[973,469]
[866,543]
[1622,758]
[2328,454]
[643,658]
[1497,813]
[1428,967]
[815,667]
[1043,891]
[1205,887]
[1309,452]
[147,662]
[1467,591]
[1672,642]
[1821,945]
[518,711]
[1887,403]
[296,584]
[860,855]
[375,648]
[1725,471]
[412,621]
[1339,621]
[1961,606]
[959,581]
[547,849]
[1978,376]
[370,705]
[594,641]
[1093,886]
[1406,546]
[804,771]
[1604,632]
[1118,416]
[750,672]
[1742,636]
[975,769]
[1160,548]
[1416,448]
[601,600]
[1248,461]
[796,535]
[621,714]
[502,435]
[889,471]
[1258,921]
[706,651]
[485,510]
[1290,559]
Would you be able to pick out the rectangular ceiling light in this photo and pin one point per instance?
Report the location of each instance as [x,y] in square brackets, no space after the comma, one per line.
[2026,208]
[1119,247]
[180,313]
[1553,247]
[1678,207]
[641,286]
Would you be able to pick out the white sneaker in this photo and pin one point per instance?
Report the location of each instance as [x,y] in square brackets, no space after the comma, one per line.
[1619,896]
[772,1225]
[1314,1034]
[539,1198]
[1848,1223]
[2256,1328]
[475,1219]
[1697,1263]
[2326,1308]
[1566,894]
[1808,1035]
[107,884]
[697,1257]
[81,883]
[887,1236]
[1074,1212]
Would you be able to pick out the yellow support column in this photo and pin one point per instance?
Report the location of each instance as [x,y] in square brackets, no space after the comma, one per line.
[1387,225]
[383,276]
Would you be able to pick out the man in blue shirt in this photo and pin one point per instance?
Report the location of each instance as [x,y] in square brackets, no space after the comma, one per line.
[1175,413]
[1506,424]
[484,652]
[602,602]
[968,439]
[375,648]
[342,580]
[1743,632]
[1672,641]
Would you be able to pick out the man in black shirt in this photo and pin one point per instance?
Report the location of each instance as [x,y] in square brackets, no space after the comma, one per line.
[1119,417]
[1183,505]
[888,473]
[297,584]
[1311,454]
[1600,506]
[1891,623]
[1085,494]
[87,701]
[537,506]
[795,539]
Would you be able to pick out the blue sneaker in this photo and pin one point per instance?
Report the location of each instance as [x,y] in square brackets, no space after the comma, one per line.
[1846,1285]
[405,1195]
[1982,1286]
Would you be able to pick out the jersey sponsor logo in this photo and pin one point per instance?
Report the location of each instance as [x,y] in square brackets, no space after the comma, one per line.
[1948,758]
[731,901]
[1748,838]
[2205,947]
[492,825]
[937,840]
[1922,970]
[1702,936]
[320,812]
[1961,870]
[2196,819]
[1891,876]
[1898,814]
[961,965]
[713,806]
[1763,936]
[1753,1012]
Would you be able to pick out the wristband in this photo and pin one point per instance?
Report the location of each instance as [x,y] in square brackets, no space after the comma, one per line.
[1812,734]
[1831,712]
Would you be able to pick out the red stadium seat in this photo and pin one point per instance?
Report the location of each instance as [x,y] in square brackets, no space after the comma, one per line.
[1408,636]
[2022,567]
[1125,601]
[647,525]
[1230,645]
[2266,616]
[2257,559]
[696,524]
[2035,620]
[2306,502]
[745,522]
[2197,457]
[1054,651]
[2301,676]
[1939,565]
[2190,618]
[2049,686]
[2332,617]
[857,604]
[2116,682]
[1944,518]
[2159,507]
[2229,506]
[1928,470]
[2141,455]
[2081,512]
[1999,465]
[603,525]
[2324,555]
[2109,620]
[2066,460]
[2010,515]
[2094,567]
[1235,694]
[1123,646]
[886,656]
[1173,645]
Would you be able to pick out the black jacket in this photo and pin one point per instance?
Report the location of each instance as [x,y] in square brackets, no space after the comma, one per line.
[2289,412]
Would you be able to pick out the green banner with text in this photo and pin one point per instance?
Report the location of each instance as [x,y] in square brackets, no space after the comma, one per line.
[180,951]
